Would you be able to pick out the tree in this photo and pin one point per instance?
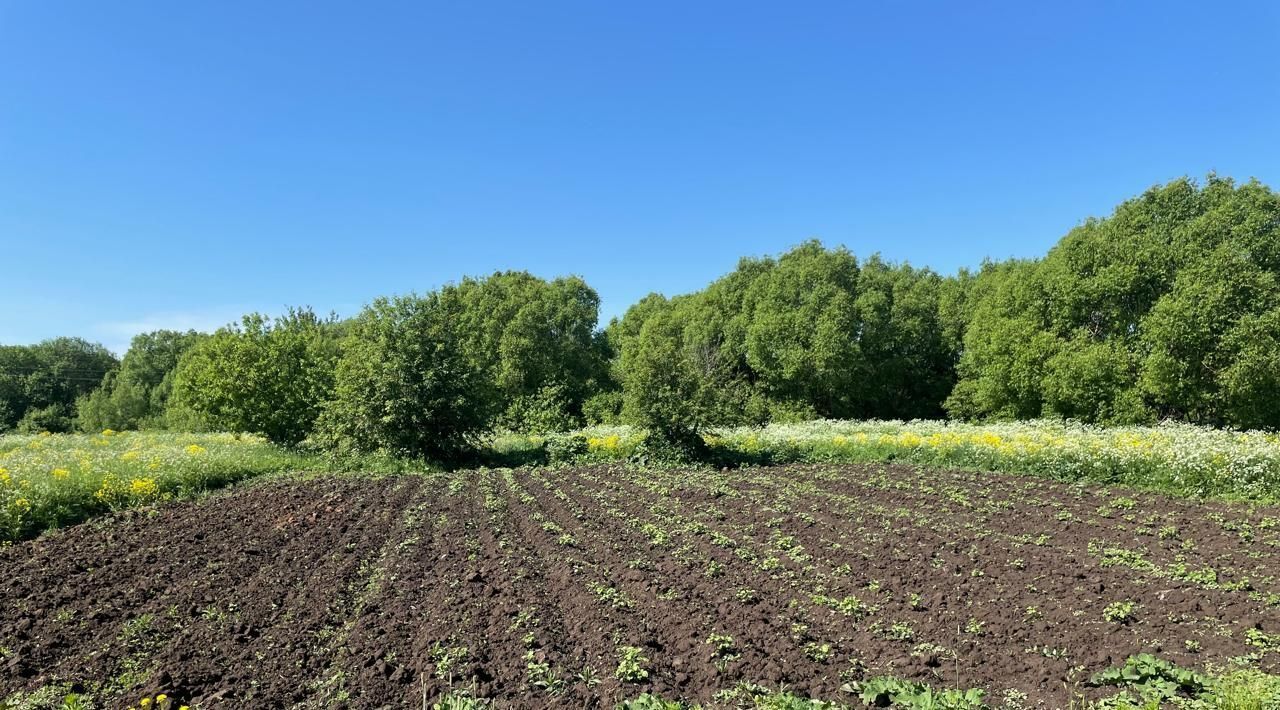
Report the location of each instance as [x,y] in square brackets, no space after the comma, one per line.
[803,337]
[405,385]
[1132,317]
[536,341]
[808,334]
[39,383]
[662,391]
[137,394]
[270,377]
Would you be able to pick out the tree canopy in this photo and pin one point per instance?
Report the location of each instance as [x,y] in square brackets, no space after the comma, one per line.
[39,384]
[1165,309]
[1169,308]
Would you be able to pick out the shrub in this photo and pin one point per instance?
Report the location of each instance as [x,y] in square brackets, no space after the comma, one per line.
[266,377]
[566,448]
[544,411]
[603,408]
[55,418]
[404,385]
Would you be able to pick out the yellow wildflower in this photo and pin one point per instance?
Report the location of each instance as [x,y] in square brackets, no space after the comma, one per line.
[22,504]
[605,443]
[195,449]
[60,473]
[144,487]
[108,432]
[129,455]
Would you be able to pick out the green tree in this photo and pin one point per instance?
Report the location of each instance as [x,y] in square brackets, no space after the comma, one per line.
[536,341]
[1145,314]
[808,334]
[803,334]
[1251,382]
[137,394]
[405,385]
[40,383]
[265,376]
[662,390]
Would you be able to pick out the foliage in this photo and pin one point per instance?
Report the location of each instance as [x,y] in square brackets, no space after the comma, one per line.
[137,394]
[888,690]
[632,665]
[1155,673]
[1157,682]
[269,377]
[812,333]
[1166,309]
[404,385]
[662,389]
[647,701]
[39,384]
[536,342]
[603,408]
[1180,459]
[52,481]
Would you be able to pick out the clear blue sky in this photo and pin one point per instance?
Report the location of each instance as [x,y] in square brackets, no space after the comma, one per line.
[174,164]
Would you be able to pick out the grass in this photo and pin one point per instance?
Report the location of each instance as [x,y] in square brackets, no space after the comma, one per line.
[49,481]
[1179,459]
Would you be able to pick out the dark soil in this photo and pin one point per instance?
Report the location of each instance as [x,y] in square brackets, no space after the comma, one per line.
[523,587]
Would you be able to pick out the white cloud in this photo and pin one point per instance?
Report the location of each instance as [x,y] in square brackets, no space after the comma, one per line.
[117,334]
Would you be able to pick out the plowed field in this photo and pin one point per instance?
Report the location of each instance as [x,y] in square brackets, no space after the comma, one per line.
[530,586]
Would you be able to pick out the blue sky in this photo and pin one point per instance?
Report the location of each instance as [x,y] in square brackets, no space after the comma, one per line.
[177,164]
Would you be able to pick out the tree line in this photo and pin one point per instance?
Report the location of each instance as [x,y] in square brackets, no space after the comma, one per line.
[1167,309]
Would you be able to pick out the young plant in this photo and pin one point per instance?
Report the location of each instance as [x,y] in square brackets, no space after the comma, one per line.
[632,665]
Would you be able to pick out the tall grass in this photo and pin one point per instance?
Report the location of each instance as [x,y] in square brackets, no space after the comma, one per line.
[48,481]
[1181,459]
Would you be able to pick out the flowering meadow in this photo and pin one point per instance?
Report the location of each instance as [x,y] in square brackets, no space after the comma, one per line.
[48,481]
[1176,458]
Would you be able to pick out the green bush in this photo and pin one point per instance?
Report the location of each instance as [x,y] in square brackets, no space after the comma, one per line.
[535,341]
[566,448]
[603,408]
[662,391]
[541,412]
[137,394]
[55,418]
[262,376]
[404,385]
